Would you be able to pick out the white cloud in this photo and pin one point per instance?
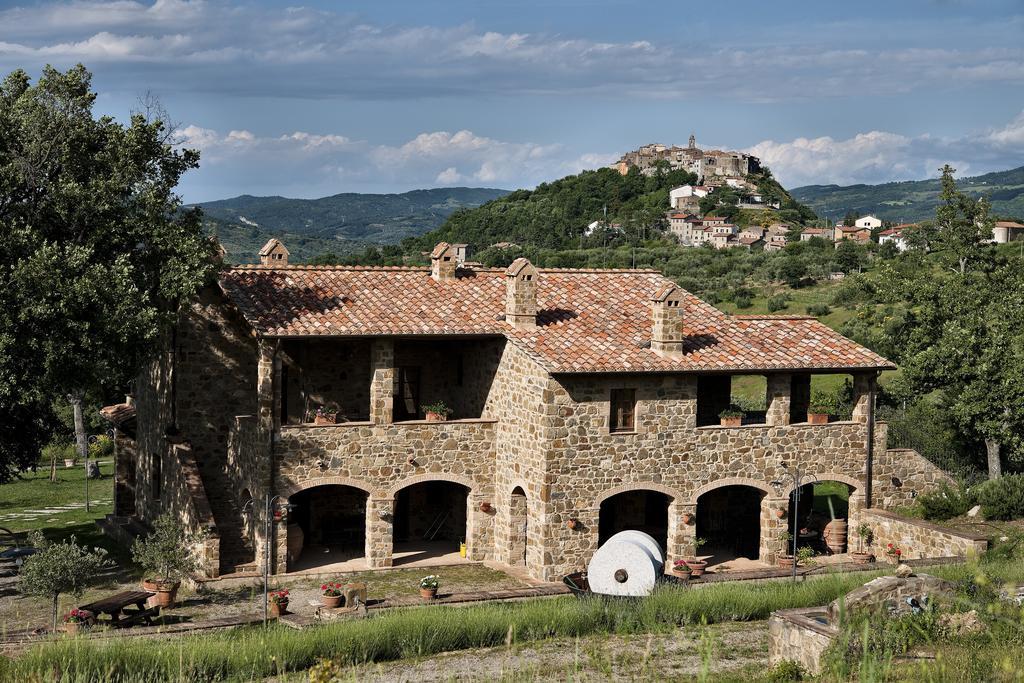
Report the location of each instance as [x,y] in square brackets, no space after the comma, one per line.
[879,156]
[449,176]
[319,53]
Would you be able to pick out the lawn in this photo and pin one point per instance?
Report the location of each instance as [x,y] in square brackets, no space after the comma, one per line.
[58,508]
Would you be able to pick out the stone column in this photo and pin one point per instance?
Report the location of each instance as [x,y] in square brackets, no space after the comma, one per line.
[863,388]
[382,382]
[479,527]
[777,399]
[680,534]
[772,527]
[379,532]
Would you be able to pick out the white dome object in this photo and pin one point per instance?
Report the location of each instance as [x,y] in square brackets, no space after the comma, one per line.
[629,563]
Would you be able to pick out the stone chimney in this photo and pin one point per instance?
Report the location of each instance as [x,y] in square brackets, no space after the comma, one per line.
[274,253]
[521,295]
[667,326]
[443,262]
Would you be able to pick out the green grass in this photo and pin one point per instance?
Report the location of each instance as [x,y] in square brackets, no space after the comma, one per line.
[34,491]
[255,653]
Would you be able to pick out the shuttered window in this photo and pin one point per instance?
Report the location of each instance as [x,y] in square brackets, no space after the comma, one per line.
[623,405]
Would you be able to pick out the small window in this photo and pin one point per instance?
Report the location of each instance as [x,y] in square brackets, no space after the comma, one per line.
[623,410]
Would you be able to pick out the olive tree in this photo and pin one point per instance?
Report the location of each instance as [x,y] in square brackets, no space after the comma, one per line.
[57,568]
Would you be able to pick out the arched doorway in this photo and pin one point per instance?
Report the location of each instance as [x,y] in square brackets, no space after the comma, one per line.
[430,521]
[821,502]
[729,521]
[327,527]
[641,509]
[518,524]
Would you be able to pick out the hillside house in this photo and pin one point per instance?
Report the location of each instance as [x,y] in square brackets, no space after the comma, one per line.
[820,233]
[869,222]
[895,235]
[1007,231]
[583,402]
[852,232]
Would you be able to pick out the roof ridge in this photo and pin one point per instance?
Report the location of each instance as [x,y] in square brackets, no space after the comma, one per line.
[300,266]
[769,316]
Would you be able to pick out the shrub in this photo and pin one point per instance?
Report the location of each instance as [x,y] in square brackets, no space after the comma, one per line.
[822,402]
[777,303]
[101,446]
[818,309]
[57,568]
[1003,498]
[946,502]
[742,301]
[166,554]
[56,451]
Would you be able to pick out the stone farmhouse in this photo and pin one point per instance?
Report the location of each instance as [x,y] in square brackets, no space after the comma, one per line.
[582,402]
[707,164]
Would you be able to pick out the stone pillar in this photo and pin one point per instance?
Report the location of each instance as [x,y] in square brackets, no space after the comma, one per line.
[772,527]
[265,389]
[479,527]
[863,388]
[777,399]
[379,532]
[382,382]
[680,533]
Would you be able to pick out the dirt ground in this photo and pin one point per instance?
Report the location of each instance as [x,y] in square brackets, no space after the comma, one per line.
[18,612]
[721,652]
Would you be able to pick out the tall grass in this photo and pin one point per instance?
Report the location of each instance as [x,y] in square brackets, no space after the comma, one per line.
[254,653]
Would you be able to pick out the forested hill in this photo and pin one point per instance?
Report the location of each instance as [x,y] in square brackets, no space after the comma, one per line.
[555,215]
[340,223]
[914,200]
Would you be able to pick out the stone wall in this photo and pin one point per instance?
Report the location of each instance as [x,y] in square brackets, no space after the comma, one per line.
[798,635]
[184,497]
[918,538]
[901,473]
[327,372]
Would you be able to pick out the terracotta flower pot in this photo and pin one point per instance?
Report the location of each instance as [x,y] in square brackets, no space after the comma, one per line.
[328,419]
[817,418]
[278,608]
[785,561]
[696,567]
[166,594]
[687,518]
[435,417]
[333,601]
[69,464]
[73,628]
[862,557]
[780,513]
[572,523]
[428,593]
[732,421]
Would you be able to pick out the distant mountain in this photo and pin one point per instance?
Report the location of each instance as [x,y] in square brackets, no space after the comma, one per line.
[914,200]
[341,223]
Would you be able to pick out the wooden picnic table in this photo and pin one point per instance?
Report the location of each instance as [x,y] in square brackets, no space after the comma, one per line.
[115,605]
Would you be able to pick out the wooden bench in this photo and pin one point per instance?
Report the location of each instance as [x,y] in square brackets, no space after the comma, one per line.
[115,605]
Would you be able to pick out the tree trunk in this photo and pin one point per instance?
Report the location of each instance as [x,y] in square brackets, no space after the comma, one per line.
[82,440]
[55,596]
[53,469]
[995,468]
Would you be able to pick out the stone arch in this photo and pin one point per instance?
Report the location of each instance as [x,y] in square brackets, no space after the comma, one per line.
[291,489]
[729,481]
[852,482]
[638,486]
[438,476]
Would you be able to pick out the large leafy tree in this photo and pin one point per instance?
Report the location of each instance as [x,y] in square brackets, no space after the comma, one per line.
[967,340]
[97,252]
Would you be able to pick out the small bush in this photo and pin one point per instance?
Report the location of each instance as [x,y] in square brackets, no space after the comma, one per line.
[777,303]
[818,309]
[1003,498]
[742,301]
[784,671]
[59,450]
[101,446]
[946,502]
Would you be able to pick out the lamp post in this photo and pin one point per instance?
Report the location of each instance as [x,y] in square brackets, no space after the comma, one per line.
[795,474]
[273,504]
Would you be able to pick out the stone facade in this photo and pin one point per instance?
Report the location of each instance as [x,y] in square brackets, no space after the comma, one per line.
[800,635]
[917,538]
[534,451]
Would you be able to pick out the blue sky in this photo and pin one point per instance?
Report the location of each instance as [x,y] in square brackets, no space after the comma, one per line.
[322,97]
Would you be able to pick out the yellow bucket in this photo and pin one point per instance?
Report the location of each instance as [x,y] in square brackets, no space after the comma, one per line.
[462,549]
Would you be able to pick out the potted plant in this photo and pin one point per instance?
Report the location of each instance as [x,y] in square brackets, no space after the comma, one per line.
[438,411]
[166,557]
[77,620]
[687,518]
[428,587]
[679,567]
[326,415]
[781,512]
[693,563]
[864,535]
[805,556]
[732,416]
[785,559]
[894,552]
[332,594]
[821,406]
[572,523]
[277,601]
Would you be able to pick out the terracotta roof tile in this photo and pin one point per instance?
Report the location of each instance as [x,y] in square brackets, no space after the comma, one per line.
[588,320]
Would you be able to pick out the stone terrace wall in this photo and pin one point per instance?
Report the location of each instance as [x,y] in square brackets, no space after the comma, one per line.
[900,473]
[185,498]
[918,538]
